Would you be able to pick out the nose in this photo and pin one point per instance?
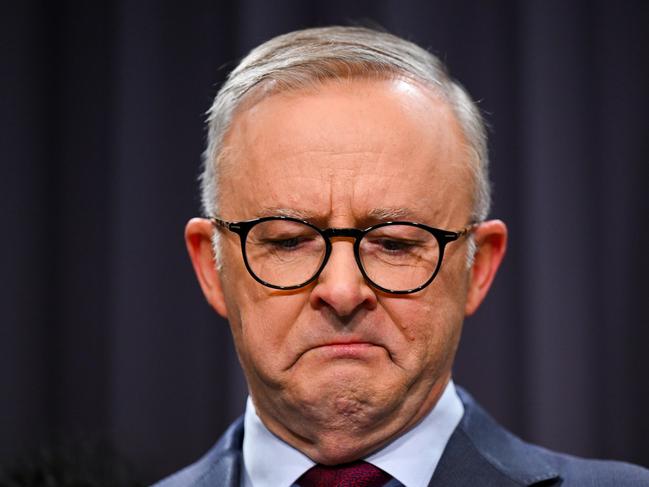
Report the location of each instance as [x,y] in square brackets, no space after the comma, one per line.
[341,286]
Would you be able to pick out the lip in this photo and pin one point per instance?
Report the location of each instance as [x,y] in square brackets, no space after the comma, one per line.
[349,349]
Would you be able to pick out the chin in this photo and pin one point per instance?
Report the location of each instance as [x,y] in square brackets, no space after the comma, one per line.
[336,447]
[344,407]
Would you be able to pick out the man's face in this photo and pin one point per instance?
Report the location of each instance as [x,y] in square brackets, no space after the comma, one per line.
[338,368]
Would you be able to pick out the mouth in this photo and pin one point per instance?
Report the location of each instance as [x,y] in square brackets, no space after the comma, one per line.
[345,350]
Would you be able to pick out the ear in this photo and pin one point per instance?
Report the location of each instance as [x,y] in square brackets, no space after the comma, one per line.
[198,238]
[491,241]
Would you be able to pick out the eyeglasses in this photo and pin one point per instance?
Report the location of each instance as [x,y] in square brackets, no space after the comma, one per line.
[395,257]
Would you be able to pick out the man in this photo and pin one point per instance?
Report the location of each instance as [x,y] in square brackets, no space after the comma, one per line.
[346,192]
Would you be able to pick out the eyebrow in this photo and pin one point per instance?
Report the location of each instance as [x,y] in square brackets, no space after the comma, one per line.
[290,212]
[386,214]
[375,214]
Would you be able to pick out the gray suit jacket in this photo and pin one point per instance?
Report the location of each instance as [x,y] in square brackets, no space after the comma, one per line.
[479,453]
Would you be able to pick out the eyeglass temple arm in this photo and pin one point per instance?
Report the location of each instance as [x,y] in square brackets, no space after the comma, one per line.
[468,229]
[220,223]
[235,227]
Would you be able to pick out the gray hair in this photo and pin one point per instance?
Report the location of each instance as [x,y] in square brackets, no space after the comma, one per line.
[304,58]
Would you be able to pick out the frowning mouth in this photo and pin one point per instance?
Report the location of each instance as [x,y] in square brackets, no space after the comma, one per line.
[349,350]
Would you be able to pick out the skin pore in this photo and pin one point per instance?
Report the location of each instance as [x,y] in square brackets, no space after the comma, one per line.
[338,369]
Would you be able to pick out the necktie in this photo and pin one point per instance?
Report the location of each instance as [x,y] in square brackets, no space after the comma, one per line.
[355,474]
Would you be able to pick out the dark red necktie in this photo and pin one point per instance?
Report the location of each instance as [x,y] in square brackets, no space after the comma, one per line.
[355,474]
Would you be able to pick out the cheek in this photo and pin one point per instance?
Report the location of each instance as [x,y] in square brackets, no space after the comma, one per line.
[424,324]
[430,328]
[263,329]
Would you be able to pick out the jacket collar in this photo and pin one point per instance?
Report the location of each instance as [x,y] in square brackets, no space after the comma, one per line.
[225,466]
[481,452]
[221,465]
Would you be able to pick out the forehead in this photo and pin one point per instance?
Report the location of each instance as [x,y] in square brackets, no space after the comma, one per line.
[346,147]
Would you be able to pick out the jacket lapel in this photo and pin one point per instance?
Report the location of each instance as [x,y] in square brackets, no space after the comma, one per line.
[220,466]
[223,472]
[224,460]
[462,464]
[481,452]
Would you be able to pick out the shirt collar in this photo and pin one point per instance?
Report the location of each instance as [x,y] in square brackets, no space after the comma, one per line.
[411,458]
[282,467]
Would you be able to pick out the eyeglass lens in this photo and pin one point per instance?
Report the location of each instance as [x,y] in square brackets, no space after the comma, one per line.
[287,253]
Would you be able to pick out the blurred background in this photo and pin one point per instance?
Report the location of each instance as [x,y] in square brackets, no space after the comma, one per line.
[104,333]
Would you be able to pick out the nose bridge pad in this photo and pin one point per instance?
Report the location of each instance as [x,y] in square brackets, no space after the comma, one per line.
[354,241]
[342,285]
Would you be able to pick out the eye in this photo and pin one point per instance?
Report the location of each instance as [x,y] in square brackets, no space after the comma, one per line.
[392,245]
[289,243]
[286,243]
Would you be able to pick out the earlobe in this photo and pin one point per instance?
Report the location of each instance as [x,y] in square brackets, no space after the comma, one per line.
[491,241]
[198,238]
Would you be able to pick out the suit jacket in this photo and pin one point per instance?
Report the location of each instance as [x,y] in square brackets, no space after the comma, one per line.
[480,453]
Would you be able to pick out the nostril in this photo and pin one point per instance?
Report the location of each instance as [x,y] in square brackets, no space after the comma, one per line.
[342,288]
[342,300]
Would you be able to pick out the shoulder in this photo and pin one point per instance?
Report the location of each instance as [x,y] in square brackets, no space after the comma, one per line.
[581,471]
[219,466]
[507,460]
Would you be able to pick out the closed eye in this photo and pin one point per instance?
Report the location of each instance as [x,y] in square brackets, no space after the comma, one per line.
[288,244]
[391,245]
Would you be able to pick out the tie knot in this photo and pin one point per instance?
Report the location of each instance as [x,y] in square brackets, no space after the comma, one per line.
[355,474]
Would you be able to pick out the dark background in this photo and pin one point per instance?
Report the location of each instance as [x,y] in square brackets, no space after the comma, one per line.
[104,332]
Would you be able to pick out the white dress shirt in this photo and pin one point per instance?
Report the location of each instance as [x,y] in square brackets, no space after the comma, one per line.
[411,458]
